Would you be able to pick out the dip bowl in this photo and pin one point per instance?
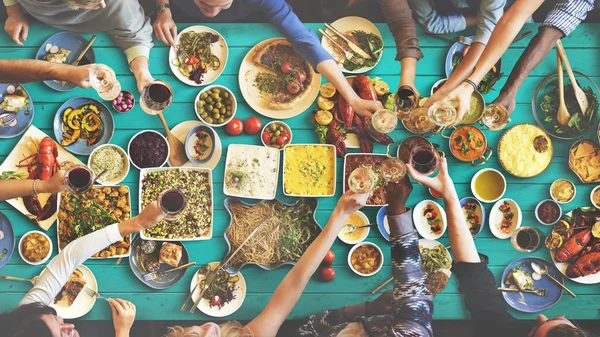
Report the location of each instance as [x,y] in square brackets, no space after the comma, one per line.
[20,247]
[365,231]
[556,199]
[190,143]
[140,133]
[361,245]
[474,190]
[597,188]
[538,209]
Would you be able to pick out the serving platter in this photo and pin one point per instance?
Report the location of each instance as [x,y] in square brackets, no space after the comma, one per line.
[164,280]
[503,139]
[227,309]
[181,131]
[8,242]
[345,176]
[480,212]
[22,150]
[285,170]
[266,172]
[24,117]
[496,218]
[84,302]
[247,74]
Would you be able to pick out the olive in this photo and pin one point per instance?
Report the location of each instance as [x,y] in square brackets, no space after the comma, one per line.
[226,94]
[215,111]
[277,133]
[273,140]
[221,120]
[229,107]
[204,115]
[216,90]
[209,107]
[203,95]
[217,115]
[280,128]
[219,105]
[209,120]
[273,127]
[228,114]
[201,103]
[215,95]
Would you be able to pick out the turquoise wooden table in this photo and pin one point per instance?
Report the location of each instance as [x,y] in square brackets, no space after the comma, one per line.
[347,288]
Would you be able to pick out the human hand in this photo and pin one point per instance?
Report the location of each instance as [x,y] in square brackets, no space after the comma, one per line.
[381,306]
[53,185]
[80,75]
[413,87]
[16,24]
[123,313]
[461,95]
[351,202]
[442,183]
[397,194]
[165,28]
[506,100]
[150,215]
[366,108]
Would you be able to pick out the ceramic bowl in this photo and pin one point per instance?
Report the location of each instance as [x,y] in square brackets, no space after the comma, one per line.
[45,258]
[360,245]
[190,143]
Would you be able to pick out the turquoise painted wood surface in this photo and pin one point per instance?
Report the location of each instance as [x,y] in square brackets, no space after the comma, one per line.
[347,288]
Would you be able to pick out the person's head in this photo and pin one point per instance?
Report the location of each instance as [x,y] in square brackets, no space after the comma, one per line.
[557,326]
[35,320]
[212,8]
[86,4]
[227,329]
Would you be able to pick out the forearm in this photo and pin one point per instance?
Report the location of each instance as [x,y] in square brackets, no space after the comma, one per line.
[12,7]
[465,68]
[139,67]
[471,20]
[10,189]
[332,73]
[408,71]
[464,249]
[541,44]
[24,71]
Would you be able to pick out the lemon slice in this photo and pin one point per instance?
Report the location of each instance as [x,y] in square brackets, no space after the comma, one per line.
[554,241]
[381,88]
[596,230]
[325,103]
[422,101]
[327,90]
[323,117]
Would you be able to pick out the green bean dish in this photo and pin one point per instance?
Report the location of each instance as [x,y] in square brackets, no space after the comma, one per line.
[194,56]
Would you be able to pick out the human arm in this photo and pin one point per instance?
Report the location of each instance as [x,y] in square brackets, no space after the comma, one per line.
[56,273]
[434,22]
[165,28]
[267,323]
[16,24]
[15,188]
[24,71]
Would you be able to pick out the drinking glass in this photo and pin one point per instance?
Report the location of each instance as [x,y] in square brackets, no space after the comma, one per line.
[383,121]
[424,159]
[405,102]
[79,179]
[420,122]
[172,202]
[362,180]
[104,80]
[442,113]
[392,170]
[495,117]
[156,97]
[525,239]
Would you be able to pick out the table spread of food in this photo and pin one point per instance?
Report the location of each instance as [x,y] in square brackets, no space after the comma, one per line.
[268,147]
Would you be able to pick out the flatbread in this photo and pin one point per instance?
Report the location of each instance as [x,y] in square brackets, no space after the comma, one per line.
[58,57]
[71,289]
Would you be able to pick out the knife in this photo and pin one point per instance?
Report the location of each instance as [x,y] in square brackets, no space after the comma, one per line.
[351,44]
[76,62]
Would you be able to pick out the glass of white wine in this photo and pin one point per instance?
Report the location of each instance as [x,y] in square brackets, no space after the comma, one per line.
[442,113]
[495,117]
[104,80]
[362,180]
[420,122]
[392,170]
[383,121]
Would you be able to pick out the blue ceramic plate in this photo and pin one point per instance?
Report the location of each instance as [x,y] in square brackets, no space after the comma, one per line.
[527,302]
[191,139]
[73,42]
[382,224]
[8,242]
[24,116]
[80,146]
[136,263]
[459,47]
[480,212]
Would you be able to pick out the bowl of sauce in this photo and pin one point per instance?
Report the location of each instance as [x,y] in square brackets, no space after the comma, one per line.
[365,259]
[469,144]
[548,212]
[357,218]
[488,185]
[35,247]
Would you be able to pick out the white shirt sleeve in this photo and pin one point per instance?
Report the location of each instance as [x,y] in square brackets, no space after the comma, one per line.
[54,277]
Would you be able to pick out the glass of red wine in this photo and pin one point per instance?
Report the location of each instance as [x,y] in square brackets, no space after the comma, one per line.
[156,97]
[525,239]
[79,179]
[425,159]
[173,202]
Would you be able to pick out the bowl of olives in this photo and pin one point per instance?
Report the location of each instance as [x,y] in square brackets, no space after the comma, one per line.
[215,105]
[276,134]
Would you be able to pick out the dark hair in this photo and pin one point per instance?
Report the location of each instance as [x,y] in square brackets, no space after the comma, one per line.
[565,330]
[26,321]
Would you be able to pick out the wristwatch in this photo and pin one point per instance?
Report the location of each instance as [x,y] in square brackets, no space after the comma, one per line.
[161,7]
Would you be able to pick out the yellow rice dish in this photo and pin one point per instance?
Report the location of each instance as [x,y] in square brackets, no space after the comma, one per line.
[309,170]
[525,150]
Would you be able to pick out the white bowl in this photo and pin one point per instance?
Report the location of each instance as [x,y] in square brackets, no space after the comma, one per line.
[125,171]
[574,192]
[437,85]
[360,245]
[366,230]
[41,261]
[285,126]
[421,223]
[475,192]
[139,133]
[592,196]
[496,218]
[234,110]
[559,213]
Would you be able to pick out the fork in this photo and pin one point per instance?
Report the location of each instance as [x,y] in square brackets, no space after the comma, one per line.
[6,119]
[153,275]
[539,292]
[93,293]
[348,55]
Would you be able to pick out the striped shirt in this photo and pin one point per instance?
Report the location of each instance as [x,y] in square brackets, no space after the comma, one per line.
[566,15]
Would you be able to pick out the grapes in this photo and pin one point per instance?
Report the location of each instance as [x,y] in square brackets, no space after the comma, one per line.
[124,102]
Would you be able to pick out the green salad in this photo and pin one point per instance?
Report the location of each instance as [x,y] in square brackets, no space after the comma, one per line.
[579,120]
[368,42]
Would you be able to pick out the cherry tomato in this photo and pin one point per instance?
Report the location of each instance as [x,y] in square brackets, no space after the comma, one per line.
[191,60]
[234,127]
[300,76]
[329,257]
[215,300]
[253,125]
[327,273]
[286,67]
[293,87]
[266,137]
[281,140]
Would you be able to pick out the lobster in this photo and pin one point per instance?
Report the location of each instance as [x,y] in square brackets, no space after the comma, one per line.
[365,143]
[41,165]
[586,265]
[573,246]
[335,137]
[344,110]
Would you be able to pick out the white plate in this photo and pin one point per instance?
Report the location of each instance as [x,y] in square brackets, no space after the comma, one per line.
[421,223]
[143,172]
[252,96]
[19,152]
[130,238]
[181,131]
[235,150]
[496,218]
[562,267]
[83,302]
[424,243]
[347,24]
[229,308]
[218,48]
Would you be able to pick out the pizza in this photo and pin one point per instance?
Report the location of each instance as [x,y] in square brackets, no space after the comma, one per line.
[71,289]
[284,77]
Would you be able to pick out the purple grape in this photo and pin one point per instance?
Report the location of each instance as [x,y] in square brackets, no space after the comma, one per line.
[236,180]
[121,94]
[128,101]
[130,96]
[114,102]
[129,106]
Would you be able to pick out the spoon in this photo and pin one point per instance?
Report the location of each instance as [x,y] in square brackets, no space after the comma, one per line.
[177,156]
[353,228]
[543,270]
[562,115]
[12,278]
[579,94]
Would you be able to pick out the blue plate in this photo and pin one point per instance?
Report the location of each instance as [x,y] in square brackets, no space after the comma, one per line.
[80,146]
[24,116]
[459,47]
[527,302]
[67,40]
[8,242]
[381,221]
[466,200]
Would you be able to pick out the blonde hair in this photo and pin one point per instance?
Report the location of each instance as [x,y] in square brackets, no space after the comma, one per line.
[228,329]
[82,3]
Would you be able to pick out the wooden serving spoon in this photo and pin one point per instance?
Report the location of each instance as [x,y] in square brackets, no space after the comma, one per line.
[579,94]
[177,156]
[562,115]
